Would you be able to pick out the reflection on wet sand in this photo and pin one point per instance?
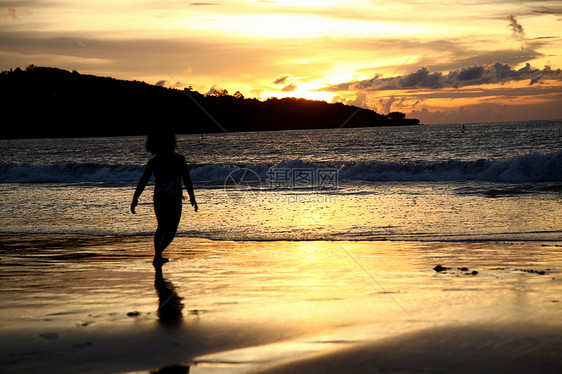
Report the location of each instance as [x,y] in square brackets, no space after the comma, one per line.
[169,314]
[170,306]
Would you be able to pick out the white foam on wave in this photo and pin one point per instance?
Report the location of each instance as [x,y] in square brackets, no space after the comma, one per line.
[67,173]
[532,167]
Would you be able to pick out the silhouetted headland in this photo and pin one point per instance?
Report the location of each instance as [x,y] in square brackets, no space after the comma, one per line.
[51,102]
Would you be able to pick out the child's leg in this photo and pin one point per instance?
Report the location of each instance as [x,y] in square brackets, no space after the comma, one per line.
[168,214]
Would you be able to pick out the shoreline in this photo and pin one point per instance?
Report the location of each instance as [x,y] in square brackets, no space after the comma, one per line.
[18,240]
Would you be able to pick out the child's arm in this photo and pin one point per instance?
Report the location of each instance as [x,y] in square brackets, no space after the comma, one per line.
[188,185]
[141,185]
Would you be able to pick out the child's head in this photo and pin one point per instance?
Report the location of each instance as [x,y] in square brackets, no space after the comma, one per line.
[161,139]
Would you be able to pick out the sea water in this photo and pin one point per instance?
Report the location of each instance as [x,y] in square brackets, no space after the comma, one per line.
[472,182]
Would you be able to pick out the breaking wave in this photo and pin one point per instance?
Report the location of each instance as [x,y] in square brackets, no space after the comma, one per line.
[532,167]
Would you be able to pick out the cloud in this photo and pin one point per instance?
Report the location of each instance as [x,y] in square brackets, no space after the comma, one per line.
[285,80]
[423,78]
[388,104]
[291,87]
[547,10]
[282,79]
[516,27]
[213,90]
[360,100]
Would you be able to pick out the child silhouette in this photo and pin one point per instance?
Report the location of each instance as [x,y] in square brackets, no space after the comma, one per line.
[169,169]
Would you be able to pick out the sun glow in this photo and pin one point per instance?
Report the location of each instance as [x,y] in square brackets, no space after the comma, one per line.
[286,26]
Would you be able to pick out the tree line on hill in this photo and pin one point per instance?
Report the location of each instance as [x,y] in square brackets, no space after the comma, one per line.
[51,102]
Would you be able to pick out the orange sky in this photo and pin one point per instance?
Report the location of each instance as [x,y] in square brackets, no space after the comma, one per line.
[468,61]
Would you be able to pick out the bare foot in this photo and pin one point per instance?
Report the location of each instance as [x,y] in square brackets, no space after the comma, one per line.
[159,261]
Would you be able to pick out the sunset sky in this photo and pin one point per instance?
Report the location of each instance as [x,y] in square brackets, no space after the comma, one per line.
[441,62]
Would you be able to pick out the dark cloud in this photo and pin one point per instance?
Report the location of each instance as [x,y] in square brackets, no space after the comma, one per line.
[516,27]
[291,87]
[423,78]
[282,79]
[548,10]
[471,73]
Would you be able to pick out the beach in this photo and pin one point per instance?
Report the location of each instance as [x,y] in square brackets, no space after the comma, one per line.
[96,305]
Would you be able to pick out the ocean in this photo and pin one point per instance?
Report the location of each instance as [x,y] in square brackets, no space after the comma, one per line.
[472,182]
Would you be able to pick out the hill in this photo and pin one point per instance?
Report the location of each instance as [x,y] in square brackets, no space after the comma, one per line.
[51,102]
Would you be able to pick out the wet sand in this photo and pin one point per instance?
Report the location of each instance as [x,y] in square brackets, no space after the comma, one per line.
[96,305]
[471,348]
